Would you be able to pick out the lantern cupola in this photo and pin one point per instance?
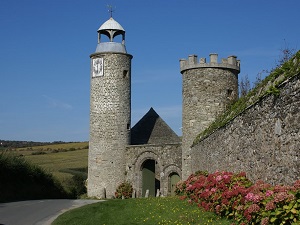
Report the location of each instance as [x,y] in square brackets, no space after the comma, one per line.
[111,29]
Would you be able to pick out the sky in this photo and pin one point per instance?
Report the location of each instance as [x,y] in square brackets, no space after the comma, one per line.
[45,47]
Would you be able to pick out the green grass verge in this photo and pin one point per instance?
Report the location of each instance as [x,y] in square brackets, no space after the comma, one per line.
[169,210]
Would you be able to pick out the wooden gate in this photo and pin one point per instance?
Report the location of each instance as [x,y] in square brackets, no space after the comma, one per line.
[174,178]
[148,177]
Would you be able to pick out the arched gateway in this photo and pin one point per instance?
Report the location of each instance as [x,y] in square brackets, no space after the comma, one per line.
[150,181]
[150,166]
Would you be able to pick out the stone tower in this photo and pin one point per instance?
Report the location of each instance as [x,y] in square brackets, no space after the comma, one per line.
[207,88]
[110,111]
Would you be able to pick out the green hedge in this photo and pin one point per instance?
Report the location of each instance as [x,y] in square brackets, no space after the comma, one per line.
[20,180]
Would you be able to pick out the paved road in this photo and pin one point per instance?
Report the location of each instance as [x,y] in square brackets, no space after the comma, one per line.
[37,212]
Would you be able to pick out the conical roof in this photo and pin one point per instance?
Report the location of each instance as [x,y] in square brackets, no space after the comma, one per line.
[152,129]
[111,24]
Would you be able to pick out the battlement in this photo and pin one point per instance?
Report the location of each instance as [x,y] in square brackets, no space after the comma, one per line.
[230,62]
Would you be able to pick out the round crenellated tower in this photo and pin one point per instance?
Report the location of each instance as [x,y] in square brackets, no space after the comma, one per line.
[207,89]
[110,111]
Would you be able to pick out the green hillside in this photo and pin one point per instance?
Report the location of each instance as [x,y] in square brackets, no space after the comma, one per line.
[21,180]
[66,163]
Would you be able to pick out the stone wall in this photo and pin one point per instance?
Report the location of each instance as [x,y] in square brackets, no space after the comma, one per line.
[263,141]
[167,156]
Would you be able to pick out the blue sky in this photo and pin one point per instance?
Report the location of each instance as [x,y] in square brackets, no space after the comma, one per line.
[45,47]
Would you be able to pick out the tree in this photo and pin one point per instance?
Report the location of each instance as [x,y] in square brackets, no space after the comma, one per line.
[244,86]
[259,77]
[286,53]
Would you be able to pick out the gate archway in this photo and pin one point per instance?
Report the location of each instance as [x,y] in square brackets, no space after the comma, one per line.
[143,165]
[150,180]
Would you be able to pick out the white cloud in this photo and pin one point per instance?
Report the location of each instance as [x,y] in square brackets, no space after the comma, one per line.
[54,103]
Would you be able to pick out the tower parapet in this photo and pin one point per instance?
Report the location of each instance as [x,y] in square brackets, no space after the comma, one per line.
[192,62]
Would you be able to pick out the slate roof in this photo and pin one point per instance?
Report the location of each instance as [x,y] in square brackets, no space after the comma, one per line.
[152,129]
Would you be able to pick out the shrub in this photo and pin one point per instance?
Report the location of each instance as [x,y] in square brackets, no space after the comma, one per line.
[124,190]
[233,196]
[21,180]
[38,153]
[279,204]
[76,185]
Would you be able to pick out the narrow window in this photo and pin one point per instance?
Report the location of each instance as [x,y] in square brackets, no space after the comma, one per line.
[230,94]
[125,73]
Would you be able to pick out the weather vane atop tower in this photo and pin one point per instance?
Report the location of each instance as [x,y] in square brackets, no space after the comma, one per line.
[110,9]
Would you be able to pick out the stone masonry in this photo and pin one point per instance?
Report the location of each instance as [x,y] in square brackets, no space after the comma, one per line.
[207,88]
[109,124]
[263,141]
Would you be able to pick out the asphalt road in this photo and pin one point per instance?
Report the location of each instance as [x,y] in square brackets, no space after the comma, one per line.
[37,212]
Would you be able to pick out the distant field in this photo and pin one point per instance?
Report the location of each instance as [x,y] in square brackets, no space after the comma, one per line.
[62,160]
[65,146]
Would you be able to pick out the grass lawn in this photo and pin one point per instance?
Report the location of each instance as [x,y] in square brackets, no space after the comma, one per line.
[151,211]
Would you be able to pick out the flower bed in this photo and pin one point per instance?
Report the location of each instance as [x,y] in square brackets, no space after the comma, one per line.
[235,197]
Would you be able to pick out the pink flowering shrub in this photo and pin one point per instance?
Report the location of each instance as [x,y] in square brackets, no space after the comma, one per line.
[124,190]
[235,197]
